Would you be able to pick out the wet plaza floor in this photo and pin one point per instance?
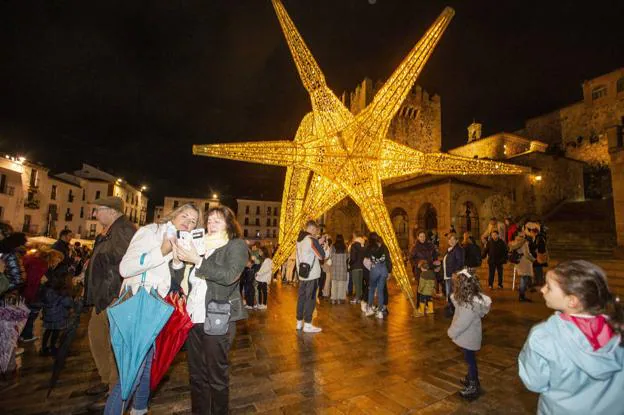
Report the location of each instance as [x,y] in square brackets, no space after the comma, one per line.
[357,365]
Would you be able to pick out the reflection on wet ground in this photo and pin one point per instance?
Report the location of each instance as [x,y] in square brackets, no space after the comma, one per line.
[356,365]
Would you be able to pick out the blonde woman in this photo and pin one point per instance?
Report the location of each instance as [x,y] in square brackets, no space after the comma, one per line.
[150,252]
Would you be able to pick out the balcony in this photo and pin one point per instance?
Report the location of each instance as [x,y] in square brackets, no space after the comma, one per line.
[30,229]
[32,204]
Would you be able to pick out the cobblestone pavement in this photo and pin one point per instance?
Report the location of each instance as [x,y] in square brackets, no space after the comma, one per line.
[401,365]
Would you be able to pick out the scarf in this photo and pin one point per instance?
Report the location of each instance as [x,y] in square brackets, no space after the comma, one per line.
[595,328]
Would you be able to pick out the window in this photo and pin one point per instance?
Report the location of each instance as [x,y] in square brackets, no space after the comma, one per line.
[176,204]
[268,211]
[206,207]
[247,209]
[275,211]
[84,195]
[268,233]
[268,222]
[599,92]
[68,216]
[245,233]
[258,235]
[92,230]
[1,212]
[274,222]
[3,182]
[257,221]
[127,198]
[70,196]
[93,213]
[33,178]
[620,85]
[81,213]
[53,192]
[246,221]
[257,210]
[31,195]
[97,194]
[274,233]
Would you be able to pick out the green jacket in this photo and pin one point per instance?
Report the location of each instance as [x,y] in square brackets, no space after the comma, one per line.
[222,271]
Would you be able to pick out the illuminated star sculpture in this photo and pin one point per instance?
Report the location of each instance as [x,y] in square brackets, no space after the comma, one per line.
[337,154]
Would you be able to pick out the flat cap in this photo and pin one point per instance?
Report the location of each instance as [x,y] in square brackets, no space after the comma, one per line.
[112,202]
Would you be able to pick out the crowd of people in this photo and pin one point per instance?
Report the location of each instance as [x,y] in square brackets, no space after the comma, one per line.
[574,360]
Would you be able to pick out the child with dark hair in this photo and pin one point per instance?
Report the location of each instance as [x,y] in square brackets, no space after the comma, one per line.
[247,284]
[263,278]
[470,307]
[57,301]
[575,359]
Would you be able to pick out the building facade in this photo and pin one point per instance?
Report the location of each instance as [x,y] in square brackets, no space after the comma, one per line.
[38,203]
[171,203]
[464,203]
[259,219]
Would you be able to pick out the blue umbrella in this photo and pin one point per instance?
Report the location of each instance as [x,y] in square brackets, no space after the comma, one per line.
[134,326]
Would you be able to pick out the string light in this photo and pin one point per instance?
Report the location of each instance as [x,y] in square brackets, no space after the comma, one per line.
[337,154]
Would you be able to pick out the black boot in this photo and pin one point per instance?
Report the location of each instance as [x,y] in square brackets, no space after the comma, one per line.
[471,391]
[465,381]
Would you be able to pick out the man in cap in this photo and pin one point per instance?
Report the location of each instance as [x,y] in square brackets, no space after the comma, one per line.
[103,283]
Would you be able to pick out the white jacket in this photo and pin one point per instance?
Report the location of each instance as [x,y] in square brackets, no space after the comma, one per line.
[147,240]
[265,272]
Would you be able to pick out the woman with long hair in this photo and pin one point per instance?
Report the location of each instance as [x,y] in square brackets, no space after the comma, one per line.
[381,265]
[151,251]
[214,305]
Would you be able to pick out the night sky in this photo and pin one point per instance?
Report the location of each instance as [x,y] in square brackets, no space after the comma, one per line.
[129,86]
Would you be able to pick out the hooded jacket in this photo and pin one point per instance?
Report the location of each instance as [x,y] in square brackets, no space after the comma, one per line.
[558,362]
[465,330]
[310,251]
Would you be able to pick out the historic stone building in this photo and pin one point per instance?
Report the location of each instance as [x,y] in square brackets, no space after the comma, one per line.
[464,202]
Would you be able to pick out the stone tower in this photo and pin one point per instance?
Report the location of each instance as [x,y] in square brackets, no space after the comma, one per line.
[474,132]
[418,124]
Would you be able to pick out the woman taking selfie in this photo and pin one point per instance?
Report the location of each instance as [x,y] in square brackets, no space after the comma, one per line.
[214,305]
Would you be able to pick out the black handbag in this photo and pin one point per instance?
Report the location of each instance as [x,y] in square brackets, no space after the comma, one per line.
[218,315]
[305,268]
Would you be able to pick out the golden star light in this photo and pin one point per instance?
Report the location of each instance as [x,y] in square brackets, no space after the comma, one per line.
[337,154]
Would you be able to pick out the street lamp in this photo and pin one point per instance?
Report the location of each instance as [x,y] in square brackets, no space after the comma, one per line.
[143,188]
[215,196]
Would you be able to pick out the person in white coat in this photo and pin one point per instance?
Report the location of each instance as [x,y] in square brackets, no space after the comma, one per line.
[155,243]
[150,252]
[263,278]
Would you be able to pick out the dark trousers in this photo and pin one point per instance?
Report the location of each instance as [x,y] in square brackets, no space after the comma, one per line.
[470,356]
[495,268]
[538,273]
[250,295]
[50,336]
[27,332]
[350,285]
[263,291]
[306,299]
[208,370]
[321,284]
[365,284]
[525,283]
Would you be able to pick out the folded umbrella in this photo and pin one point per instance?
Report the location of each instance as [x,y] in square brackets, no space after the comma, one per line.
[134,325]
[170,340]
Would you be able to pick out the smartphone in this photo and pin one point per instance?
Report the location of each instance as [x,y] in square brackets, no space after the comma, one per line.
[195,237]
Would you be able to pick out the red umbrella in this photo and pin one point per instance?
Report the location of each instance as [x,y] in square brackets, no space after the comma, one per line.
[170,340]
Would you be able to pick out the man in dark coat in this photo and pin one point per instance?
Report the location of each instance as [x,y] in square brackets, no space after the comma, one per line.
[496,251]
[103,283]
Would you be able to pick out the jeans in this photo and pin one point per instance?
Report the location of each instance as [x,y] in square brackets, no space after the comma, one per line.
[492,269]
[378,277]
[263,289]
[448,288]
[249,293]
[525,281]
[357,275]
[306,299]
[470,356]
[140,390]
[208,370]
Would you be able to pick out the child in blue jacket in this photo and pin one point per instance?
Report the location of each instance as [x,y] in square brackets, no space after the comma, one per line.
[575,359]
[57,302]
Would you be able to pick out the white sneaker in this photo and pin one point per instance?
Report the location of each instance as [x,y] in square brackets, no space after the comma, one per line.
[379,315]
[309,328]
[369,312]
[363,306]
[262,307]
[299,324]
[248,307]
